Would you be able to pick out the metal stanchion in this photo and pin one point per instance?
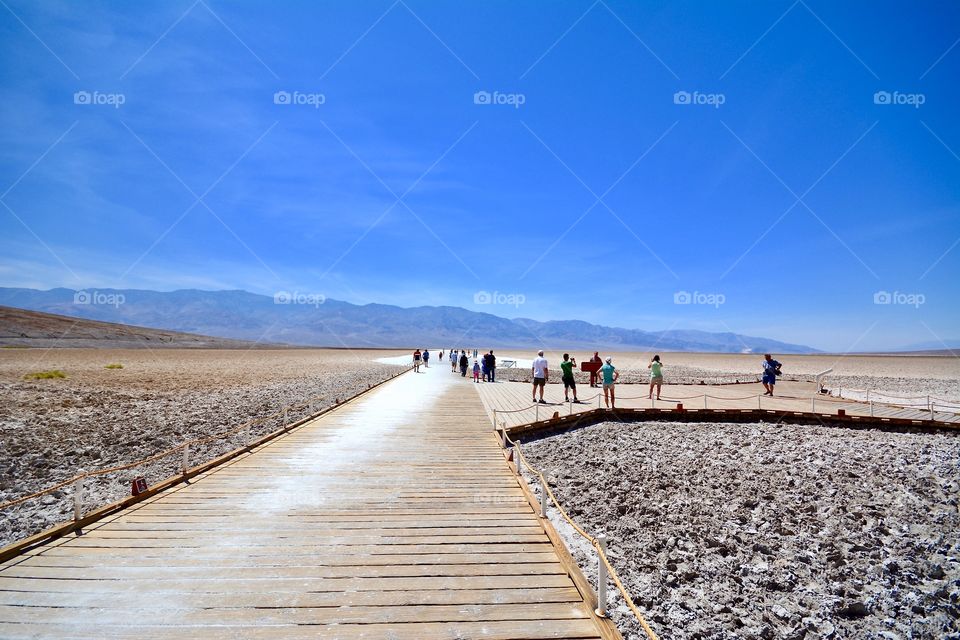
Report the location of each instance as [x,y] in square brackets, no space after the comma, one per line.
[601,609]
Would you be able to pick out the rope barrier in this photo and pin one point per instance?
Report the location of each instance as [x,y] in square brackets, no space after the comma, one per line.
[591,539]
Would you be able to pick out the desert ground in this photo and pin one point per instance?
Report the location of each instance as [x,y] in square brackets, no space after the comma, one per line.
[96,418]
[723,531]
[909,375]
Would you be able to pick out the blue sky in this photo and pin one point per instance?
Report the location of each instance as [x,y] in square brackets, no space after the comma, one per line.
[781,183]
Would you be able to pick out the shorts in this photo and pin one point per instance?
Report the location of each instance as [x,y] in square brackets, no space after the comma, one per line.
[656,380]
[769,379]
[539,382]
[608,385]
[569,383]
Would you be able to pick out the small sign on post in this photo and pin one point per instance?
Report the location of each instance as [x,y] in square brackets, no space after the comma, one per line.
[138,486]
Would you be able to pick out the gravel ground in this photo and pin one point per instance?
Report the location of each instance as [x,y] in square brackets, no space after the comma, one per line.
[726,531]
[98,418]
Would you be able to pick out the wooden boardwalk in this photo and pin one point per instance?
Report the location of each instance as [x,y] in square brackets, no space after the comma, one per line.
[512,401]
[393,516]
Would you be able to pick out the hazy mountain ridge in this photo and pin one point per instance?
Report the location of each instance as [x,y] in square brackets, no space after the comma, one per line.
[248,316]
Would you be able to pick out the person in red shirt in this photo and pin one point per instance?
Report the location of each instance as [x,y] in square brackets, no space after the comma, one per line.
[593,374]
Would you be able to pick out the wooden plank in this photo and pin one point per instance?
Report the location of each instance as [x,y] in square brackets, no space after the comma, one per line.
[503,630]
[426,534]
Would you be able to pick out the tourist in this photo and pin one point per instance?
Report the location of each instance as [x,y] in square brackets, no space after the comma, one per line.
[464,363]
[483,367]
[476,371]
[656,376]
[540,376]
[569,382]
[491,365]
[426,358]
[771,369]
[609,374]
[453,360]
[416,361]
[593,374]
[441,355]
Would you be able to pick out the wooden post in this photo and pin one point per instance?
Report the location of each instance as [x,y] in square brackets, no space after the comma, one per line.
[185,463]
[543,499]
[758,401]
[871,408]
[813,404]
[285,421]
[704,401]
[537,408]
[601,609]
[494,419]
[78,499]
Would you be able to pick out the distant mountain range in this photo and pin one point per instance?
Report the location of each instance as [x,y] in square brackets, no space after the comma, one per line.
[305,320]
[24,328]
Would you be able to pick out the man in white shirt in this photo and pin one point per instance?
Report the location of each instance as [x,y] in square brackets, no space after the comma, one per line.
[540,376]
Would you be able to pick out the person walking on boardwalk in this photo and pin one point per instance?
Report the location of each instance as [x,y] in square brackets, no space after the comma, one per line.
[453,360]
[610,375]
[491,366]
[464,363]
[540,375]
[483,367]
[593,374]
[476,371]
[416,361]
[771,369]
[656,376]
[440,359]
[569,382]
[426,358]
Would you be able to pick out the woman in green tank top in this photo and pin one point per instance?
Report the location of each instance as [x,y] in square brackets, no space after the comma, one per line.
[656,375]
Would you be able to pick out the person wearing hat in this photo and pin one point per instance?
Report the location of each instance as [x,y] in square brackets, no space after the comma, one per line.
[610,375]
[540,375]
